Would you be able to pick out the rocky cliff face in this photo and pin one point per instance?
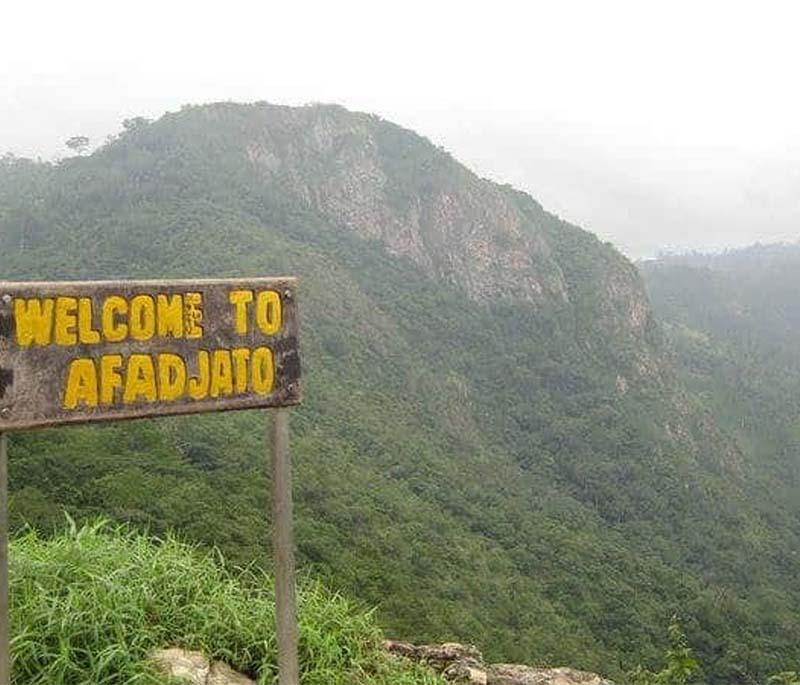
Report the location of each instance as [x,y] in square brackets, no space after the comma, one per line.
[387,184]
[357,171]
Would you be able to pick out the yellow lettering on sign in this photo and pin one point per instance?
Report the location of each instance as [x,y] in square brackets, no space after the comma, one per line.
[193,315]
[140,379]
[241,356]
[198,385]
[66,321]
[113,330]
[268,312]
[81,386]
[171,377]
[86,333]
[115,379]
[240,299]
[34,321]
[142,318]
[110,377]
[169,310]
[263,370]
[221,374]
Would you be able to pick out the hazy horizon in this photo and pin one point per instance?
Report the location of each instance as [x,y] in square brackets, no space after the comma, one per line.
[661,127]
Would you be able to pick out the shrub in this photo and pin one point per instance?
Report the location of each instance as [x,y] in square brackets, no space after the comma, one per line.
[89,605]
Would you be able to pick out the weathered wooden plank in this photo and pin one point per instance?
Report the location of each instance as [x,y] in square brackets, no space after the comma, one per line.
[106,350]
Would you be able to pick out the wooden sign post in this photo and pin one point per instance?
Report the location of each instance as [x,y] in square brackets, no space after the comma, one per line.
[5,657]
[78,352]
[283,550]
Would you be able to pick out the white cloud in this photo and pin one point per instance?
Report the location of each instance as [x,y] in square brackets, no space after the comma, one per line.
[650,122]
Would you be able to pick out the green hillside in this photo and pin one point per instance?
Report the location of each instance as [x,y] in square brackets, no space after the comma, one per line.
[733,323]
[494,445]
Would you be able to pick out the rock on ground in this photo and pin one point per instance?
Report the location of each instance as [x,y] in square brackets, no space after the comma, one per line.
[463,665]
[195,669]
[515,674]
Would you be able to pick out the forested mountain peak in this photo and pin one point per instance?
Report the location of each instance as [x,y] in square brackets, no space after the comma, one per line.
[357,173]
[386,183]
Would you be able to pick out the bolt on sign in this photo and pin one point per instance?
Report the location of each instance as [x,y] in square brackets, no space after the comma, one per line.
[105,350]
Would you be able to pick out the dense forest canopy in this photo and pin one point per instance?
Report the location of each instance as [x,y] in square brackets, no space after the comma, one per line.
[496,444]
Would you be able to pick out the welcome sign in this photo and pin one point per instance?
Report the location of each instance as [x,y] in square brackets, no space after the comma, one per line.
[105,350]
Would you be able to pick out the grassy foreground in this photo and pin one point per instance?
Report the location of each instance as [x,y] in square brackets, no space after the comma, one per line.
[89,605]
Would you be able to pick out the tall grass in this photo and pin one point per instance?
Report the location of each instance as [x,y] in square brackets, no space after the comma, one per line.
[89,605]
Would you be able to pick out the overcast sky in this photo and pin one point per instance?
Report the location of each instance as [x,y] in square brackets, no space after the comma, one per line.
[655,124]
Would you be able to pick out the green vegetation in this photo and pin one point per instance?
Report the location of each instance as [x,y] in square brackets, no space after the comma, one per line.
[90,604]
[733,322]
[530,475]
[785,678]
[680,666]
[745,299]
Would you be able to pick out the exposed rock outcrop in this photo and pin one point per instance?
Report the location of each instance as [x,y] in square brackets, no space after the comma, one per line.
[515,674]
[464,665]
[385,183]
[458,663]
[194,668]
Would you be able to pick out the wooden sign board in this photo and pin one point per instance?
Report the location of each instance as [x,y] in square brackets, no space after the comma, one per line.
[106,350]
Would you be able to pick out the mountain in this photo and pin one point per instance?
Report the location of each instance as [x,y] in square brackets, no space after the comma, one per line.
[733,321]
[496,443]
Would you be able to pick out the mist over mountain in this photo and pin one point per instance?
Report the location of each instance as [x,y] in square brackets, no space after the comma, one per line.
[499,442]
[645,195]
[732,321]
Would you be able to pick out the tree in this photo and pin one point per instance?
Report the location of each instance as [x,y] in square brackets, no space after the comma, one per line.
[78,144]
[680,664]
[134,124]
